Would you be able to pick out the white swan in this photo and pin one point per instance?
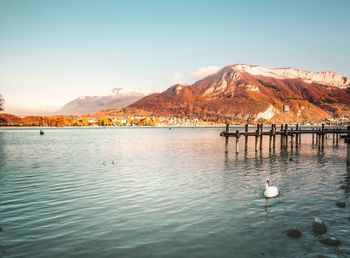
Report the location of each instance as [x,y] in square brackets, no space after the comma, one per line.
[270,191]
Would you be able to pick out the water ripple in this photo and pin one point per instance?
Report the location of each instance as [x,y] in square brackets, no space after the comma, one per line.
[171,194]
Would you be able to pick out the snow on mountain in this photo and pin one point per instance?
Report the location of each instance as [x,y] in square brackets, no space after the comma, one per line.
[244,93]
[324,78]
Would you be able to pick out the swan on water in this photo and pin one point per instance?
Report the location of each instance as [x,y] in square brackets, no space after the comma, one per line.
[114,162]
[270,191]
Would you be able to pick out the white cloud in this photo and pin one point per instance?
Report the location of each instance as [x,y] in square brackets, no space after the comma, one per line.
[203,72]
[177,78]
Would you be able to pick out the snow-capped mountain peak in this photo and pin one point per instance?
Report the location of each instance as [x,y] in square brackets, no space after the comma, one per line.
[325,78]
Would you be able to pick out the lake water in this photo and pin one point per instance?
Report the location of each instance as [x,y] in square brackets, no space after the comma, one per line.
[172,193]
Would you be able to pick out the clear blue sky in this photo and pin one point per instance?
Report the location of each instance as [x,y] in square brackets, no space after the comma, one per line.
[54,51]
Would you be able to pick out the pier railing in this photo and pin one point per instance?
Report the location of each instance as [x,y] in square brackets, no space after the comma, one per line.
[289,134]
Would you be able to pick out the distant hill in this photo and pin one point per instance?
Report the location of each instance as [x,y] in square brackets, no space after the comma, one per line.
[248,93]
[118,98]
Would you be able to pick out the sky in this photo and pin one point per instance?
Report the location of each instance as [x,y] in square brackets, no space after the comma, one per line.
[52,52]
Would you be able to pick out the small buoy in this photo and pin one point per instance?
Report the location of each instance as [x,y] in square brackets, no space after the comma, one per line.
[41,132]
[114,162]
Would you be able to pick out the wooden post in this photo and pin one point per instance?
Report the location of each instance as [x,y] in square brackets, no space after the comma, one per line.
[270,137]
[322,136]
[292,139]
[226,138]
[281,136]
[286,134]
[246,138]
[256,137]
[313,136]
[333,139]
[337,138]
[261,136]
[237,141]
[347,139]
[274,136]
[297,136]
[348,155]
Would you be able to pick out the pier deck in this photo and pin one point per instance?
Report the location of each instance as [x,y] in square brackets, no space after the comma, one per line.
[287,134]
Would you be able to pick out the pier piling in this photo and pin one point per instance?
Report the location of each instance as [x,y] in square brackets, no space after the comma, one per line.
[246,137]
[227,131]
[347,138]
[261,136]
[337,138]
[323,133]
[297,135]
[237,141]
[256,137]
[274,136]
[281,136]
[286,135]
[270,138]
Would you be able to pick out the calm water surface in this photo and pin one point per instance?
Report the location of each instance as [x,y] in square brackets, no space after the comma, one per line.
[172,193]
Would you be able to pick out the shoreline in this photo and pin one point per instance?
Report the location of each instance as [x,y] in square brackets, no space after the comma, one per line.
[109,127]
[163,127]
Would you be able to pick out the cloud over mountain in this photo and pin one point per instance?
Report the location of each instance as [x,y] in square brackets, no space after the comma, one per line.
[203,72]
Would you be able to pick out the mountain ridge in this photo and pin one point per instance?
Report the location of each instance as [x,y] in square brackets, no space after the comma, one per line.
[118,98]
[328,78]
[249,92]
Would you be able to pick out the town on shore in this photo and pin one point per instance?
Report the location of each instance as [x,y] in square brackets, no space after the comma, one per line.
[7,120]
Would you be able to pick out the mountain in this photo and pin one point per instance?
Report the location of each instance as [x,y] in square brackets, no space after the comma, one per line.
[247,93]
[118,98]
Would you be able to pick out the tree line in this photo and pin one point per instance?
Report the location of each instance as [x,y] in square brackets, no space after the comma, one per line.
[2,101]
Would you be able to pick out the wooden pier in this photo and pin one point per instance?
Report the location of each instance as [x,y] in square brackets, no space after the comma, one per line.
[289,134]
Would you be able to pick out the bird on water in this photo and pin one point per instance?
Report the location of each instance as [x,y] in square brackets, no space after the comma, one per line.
[270,191]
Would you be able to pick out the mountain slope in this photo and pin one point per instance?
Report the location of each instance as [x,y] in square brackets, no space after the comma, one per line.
[244,93]
[118,98]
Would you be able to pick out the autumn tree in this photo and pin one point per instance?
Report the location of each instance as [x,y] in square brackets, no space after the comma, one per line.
[2,101]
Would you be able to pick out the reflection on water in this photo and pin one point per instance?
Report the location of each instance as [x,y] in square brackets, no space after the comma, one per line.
[346,183]
[2,151]
[172,193]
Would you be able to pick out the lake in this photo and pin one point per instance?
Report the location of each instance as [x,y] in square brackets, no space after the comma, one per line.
[171,193]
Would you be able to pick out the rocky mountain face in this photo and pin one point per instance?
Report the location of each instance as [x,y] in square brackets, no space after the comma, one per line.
[118,98]
[247,93]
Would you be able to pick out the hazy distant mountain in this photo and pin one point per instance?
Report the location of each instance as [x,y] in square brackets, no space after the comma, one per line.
[118,98]
[248,93]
